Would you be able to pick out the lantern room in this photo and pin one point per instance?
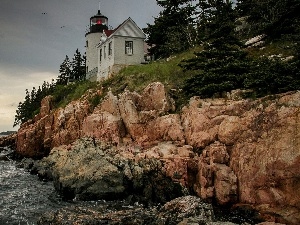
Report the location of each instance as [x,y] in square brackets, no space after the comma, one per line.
[98,23]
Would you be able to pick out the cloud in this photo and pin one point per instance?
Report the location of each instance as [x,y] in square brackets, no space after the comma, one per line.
[12,91]
[33,44]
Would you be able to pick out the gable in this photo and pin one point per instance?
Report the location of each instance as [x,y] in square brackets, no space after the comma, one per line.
[129,29]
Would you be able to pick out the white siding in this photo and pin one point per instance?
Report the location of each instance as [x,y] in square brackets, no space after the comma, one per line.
[137,54]
[91,52]
[107,61]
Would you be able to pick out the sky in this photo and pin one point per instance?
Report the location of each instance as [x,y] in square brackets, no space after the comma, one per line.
[36,36]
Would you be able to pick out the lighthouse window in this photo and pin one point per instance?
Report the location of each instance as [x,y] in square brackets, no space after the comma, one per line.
[98,21]
[104,50]
[109,48]
[128,47]
[100,55]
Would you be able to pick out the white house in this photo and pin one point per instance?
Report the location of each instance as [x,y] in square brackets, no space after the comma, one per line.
[108,51]
[120,47]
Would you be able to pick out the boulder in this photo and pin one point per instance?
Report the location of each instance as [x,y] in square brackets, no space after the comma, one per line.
[30,140]
[90,170]
[144,116]
[105,123]
[81,171]
[154,97]
[185,208]
[8,141]
[225,183]
[215,178]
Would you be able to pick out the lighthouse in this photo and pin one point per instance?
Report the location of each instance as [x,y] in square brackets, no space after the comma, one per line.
[98,23]
[108,51]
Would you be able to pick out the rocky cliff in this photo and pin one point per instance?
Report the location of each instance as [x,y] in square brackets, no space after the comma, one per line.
[232,151]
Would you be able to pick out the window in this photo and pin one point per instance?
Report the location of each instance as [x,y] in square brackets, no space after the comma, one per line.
[87,44]
[104,52]
[100,55]
[110,48]
[128,47]
[98,21]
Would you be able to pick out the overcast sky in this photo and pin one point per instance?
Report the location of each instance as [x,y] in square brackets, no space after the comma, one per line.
[36,35]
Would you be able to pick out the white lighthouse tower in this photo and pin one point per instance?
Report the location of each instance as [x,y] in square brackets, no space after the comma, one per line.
[98,23]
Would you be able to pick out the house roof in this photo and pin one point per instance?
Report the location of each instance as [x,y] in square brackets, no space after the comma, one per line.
[108,32]
[129,28]
[126,29]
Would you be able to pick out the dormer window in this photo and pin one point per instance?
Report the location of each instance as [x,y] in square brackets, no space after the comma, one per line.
[128,47]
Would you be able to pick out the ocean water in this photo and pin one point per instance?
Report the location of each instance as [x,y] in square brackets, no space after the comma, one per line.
[23,197]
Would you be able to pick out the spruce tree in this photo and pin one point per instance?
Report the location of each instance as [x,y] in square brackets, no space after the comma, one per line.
[23,112]
[276,18]
[64,72]
[222,63]
[173,30]
[78,66]
[19,115]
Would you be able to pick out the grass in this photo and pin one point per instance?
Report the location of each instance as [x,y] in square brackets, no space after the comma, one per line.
[137,77]
[64,94]
[166,71]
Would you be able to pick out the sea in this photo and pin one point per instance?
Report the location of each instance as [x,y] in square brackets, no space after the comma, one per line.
[23,196]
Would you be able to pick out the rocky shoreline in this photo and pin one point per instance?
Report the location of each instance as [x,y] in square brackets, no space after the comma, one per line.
[8,141]
[143,194]
[232,152]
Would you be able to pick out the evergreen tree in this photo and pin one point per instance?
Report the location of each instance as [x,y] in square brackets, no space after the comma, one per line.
[272,76]
[272,17]
[45,88]
[64,71]
[32,95]
[23,112]
[78,67]
[38,97]
[19,115]
[280,20]
[222,63]
[27,103]
[204,14]
[173,30]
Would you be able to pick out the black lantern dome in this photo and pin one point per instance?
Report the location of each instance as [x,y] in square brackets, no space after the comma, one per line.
[98,23]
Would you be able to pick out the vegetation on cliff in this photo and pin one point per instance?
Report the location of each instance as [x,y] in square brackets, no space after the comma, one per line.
[202,48]
[69,71]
